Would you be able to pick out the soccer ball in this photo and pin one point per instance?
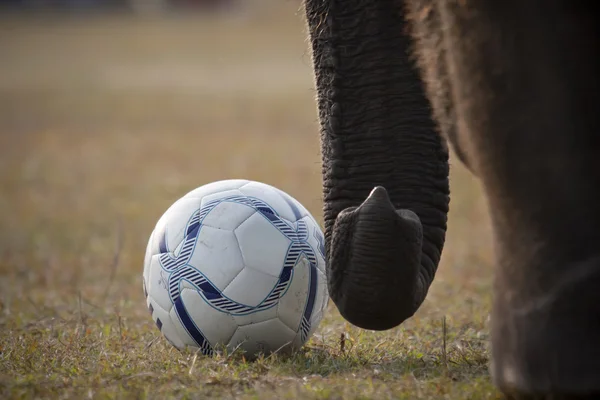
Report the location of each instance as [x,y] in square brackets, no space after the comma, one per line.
[236,264]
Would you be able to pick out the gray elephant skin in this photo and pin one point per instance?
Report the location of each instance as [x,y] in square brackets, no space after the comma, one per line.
[513,86]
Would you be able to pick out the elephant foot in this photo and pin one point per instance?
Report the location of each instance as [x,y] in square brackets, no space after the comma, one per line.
[374,260]
[546,346]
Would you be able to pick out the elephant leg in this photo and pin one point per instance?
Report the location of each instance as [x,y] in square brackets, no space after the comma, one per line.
[524,88]
[385,167]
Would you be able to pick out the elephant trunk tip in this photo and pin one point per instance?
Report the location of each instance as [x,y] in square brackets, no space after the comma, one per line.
[378,194]
[374,260]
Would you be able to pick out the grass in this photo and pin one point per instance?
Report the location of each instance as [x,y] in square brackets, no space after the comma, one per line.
[104,122]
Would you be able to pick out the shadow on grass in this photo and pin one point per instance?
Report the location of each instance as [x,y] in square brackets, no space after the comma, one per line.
[383,364]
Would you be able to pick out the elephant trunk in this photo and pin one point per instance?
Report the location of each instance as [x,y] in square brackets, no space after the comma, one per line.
[379,143]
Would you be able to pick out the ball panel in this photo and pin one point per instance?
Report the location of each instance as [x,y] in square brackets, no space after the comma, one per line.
[217,256]
[263,337]
[169,231]
[270,196]
[259,316]
[147,260]
[297,208]
[182,334]
[154,244]
[216,187]
[216,326]
[317,317]
[321,303]
[220,195]
[292,303]
[228,215]
[316,239]
[322,299]
[262,245]
[298,341]
[250,287]
[157,284]
[162,319]
[301,339]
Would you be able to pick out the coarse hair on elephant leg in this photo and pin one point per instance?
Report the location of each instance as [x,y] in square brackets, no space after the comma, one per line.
[525,101]
[513,85]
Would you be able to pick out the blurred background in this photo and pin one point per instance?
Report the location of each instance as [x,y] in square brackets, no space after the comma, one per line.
[110,110]
[108,114]
[113,5]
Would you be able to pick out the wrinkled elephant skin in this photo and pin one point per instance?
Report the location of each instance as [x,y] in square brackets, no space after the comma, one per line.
[513,86]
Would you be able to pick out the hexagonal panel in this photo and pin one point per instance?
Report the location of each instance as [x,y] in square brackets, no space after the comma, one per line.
[220,195]
[322,299]
[259,316]
[216,326]
[148,257]
[217,256]
[180,331]
[250,287]
[291,305]
[163,321]
[169,230]
[320,305]
[216,187]
[318,312]
[228,215]
[157,283]
[272,197]
[264,337]
[297,208]
[263,246]
[316,240]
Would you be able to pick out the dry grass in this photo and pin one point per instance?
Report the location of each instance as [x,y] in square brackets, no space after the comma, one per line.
[104,122]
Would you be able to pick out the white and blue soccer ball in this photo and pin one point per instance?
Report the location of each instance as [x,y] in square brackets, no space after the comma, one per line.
[236,264]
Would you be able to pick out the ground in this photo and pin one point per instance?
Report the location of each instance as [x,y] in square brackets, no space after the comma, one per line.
[104,122]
